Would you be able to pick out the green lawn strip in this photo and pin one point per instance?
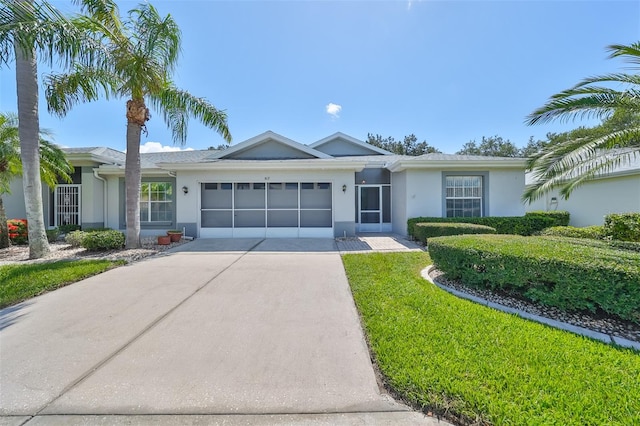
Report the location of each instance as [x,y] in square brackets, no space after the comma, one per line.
[20,282]
[453,356]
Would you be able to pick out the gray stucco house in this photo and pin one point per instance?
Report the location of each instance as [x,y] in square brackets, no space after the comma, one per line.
[272,186]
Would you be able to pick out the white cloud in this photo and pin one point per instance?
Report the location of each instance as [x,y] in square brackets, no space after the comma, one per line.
[158,147]
[333,109]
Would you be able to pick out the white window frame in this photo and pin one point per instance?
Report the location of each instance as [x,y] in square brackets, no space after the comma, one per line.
[149,202]
[467,178]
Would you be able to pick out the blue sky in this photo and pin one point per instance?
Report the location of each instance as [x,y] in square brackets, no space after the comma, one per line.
[447,71]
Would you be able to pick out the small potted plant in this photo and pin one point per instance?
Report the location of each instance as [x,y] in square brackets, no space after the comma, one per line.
[175,235]
[164,240]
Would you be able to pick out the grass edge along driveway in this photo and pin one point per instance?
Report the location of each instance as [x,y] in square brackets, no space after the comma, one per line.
[22,282]
[470,363]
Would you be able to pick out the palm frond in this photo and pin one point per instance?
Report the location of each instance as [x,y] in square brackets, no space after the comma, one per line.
[63,91]
[178,106]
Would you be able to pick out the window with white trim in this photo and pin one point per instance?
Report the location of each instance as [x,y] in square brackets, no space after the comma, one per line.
[463,196]
[156,202]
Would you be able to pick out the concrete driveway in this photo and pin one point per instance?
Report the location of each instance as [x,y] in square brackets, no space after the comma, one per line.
[243,331]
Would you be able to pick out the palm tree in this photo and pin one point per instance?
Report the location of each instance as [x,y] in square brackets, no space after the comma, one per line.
[571,163]
[142,54]
[53,164]
[28,27]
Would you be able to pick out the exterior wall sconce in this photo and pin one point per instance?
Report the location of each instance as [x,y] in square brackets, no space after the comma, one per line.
[344,188]
[185,190]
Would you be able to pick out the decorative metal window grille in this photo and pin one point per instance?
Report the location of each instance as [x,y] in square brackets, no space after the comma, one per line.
[67,205]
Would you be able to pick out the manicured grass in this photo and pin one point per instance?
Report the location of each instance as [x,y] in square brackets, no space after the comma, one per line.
[464,360]
[20,282]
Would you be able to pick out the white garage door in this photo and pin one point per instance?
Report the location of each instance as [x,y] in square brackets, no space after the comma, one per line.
[260,209]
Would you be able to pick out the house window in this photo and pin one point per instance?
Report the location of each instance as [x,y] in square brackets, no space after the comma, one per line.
[156,202]
[464,196]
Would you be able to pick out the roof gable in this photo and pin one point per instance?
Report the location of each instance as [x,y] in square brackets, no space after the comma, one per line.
[269,146]
[341,145]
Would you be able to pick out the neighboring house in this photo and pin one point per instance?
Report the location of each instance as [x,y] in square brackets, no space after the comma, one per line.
[615,192]
[272,186]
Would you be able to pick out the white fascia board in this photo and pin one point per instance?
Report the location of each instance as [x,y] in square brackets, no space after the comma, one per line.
[351,139]
[268,165]
[264,137]
[402,165]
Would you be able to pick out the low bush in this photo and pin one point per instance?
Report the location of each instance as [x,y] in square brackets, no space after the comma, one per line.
[53,234]
[65,229]
[594,232]
[560,217]
[74,238]
[103,240]
[623,227]
[551,270]
[424,231]
[18,231]
[528,224]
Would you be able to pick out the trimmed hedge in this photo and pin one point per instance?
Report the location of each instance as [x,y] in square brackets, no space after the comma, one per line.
[593,232]
[103,240]
[528,224]
[623,227]
[424,231]
[554,271]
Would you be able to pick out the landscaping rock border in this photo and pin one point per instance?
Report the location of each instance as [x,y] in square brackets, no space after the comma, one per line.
[606,329]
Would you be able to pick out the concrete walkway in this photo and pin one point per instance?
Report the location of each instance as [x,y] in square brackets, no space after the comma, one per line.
[217,332]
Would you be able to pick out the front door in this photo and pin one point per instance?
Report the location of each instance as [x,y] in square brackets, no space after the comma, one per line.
[369,208]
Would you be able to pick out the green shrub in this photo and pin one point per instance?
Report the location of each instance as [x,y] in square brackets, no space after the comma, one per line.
[528,224]
[594,232]
[424,231]
[65,229]
[103,240]
[53,234]
[623,227]
[551,270]
[74,238]
[561,217]
[624,245]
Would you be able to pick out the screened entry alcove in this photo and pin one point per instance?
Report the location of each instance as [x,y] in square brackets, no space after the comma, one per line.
[266,209]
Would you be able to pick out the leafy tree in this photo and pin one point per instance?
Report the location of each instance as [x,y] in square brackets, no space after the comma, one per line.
[575,161]
[28,27]
[53,164]
[141,55]
[493,146]
[409,146]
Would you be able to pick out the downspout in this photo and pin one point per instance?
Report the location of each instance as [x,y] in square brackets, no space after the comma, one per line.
[104,193]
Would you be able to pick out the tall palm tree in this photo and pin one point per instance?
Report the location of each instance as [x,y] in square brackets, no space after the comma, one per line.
[569,164]
[142,55]
[28,27]
[53,163]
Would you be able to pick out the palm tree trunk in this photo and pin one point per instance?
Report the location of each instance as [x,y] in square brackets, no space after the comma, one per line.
[4,229]
[28,130]
[132,178]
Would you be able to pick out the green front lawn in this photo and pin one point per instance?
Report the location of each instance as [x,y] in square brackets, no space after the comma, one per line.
[20,282]
[461,359]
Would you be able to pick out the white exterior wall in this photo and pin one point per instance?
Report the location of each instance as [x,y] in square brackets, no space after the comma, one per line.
[589,204]
[424,193]
[505,193]
[14,202]
[421,191]
[113,202]
[399,202]
[188,208]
